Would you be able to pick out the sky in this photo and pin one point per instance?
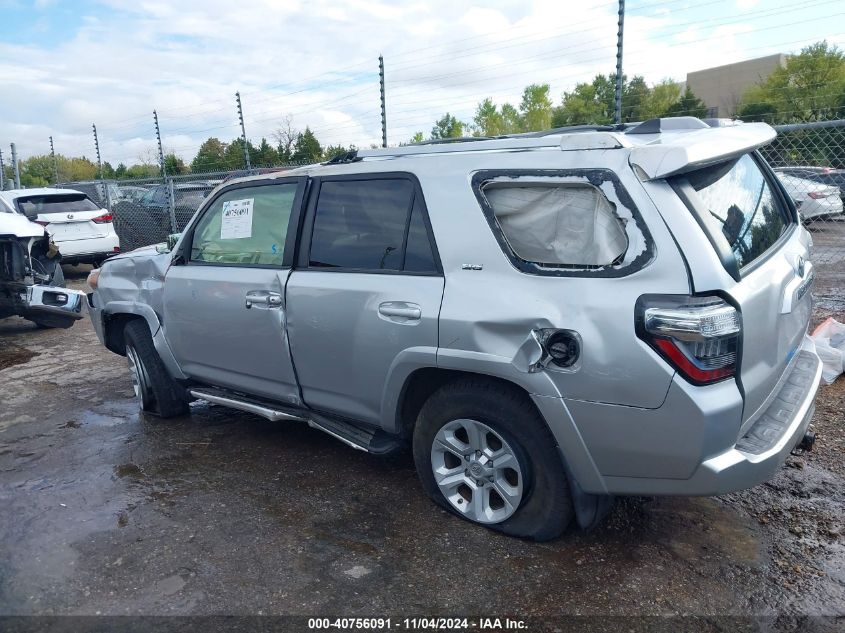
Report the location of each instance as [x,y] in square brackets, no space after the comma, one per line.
[67,65]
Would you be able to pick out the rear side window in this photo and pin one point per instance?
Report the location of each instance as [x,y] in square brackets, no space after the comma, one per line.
[566,225]
[32,206]
[737,203]
[370,225]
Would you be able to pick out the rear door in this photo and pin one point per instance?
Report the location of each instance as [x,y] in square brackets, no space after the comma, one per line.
[67,216]
[224,310]
[749,222]
[366,292]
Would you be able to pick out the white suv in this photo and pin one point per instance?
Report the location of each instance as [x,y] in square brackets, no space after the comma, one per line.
[83,231]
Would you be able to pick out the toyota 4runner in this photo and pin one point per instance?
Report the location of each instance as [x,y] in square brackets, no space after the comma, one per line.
[549,320]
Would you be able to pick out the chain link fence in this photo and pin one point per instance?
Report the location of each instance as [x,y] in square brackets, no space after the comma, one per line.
[809,158]
[147,210]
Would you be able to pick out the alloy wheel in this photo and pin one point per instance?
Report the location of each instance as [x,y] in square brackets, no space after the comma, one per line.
[477,471]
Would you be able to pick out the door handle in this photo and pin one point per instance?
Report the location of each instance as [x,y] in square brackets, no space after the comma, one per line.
[401,310]
[263,297]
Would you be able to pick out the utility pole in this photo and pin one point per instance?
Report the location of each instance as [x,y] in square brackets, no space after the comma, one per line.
[160,151]
[2,173]
[243,131]
[97,148]
[16,167]
[55,164]
[619,37]
[383,110]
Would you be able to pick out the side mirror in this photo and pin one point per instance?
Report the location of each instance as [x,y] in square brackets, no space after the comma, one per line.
[169,244]
[172,239]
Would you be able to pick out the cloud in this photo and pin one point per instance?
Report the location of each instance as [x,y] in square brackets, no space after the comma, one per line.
[117,60]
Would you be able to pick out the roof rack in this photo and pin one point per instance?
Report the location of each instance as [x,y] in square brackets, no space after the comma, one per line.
[346,157]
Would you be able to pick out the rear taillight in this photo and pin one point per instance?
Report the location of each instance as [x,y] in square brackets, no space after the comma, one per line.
[103,219]
[41,222]
[817,195]
[699,336]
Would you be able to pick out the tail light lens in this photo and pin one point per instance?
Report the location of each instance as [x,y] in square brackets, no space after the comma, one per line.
[103,219]
[817,195]
[699,336]
[41,222]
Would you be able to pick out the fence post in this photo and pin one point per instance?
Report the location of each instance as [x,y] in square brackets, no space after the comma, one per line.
[171,203]
[16,167]
[2,172]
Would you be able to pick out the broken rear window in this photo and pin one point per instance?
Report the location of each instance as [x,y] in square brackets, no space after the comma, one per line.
[558,224]
[564,222]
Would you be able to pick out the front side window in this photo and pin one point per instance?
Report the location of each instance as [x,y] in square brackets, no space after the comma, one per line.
[740,207]
[361,224]
[246,226]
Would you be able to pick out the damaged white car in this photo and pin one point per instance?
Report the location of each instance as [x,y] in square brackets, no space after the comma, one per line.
[31,278]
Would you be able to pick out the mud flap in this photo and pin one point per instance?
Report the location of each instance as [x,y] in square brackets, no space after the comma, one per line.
[590,509]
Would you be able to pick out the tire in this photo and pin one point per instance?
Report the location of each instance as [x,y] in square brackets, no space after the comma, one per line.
[540,504]
[155,390]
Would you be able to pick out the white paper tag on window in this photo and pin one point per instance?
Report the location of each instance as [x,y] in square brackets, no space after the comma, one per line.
[237,219]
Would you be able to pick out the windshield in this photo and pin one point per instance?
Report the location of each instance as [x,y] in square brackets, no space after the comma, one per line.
[33,206]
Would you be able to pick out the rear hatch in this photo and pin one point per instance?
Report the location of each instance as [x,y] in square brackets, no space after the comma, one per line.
[67,216]
[749,222]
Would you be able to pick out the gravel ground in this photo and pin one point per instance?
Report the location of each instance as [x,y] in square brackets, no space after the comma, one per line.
[106,511]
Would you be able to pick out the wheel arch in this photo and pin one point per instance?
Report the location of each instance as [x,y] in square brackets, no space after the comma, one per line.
[421,383]
[117,314]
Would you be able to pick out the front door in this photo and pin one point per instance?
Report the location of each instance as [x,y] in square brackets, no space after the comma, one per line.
[366,292]
[224,302]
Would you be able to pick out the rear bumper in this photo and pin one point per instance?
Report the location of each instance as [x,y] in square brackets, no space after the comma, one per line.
[89,250]
[757,455]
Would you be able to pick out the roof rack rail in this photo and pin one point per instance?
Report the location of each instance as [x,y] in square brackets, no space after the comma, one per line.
[456,139]
[668,124]
[346,157]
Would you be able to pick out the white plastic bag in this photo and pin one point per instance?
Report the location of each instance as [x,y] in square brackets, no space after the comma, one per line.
[829,338]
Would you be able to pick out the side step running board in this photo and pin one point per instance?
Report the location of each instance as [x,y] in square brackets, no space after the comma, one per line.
[373,441]
[244,403]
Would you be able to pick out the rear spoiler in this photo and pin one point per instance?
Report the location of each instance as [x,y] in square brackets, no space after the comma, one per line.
[688,151]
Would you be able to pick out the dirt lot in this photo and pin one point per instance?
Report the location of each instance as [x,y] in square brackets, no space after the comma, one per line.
[219,512]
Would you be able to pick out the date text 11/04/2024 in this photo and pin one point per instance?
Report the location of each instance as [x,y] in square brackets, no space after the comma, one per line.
[432,624]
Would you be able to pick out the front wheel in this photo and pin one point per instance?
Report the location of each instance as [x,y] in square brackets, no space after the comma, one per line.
[154,389]
[483,452]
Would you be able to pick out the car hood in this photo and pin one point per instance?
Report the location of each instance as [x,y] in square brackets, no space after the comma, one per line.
[143,251]
[19,226]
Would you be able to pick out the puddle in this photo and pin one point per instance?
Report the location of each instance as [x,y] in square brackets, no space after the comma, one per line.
[11,355]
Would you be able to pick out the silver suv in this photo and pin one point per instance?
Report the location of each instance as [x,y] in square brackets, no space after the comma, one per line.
[549,320]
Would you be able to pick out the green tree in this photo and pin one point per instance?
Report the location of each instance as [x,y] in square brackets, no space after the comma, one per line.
[447,127]
[120,171]
[588,103]
[809,87]
[337,150]
[417,138]
[512,118]
[488,121]
[660,98]
[536,108]
[174,165]
[307,148]
[688,105]
[210,156]
[265,154]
